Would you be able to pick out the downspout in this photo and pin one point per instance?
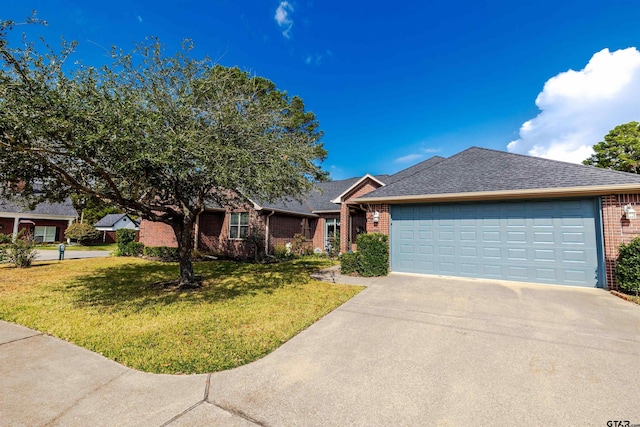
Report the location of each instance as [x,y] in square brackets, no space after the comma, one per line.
[266,233]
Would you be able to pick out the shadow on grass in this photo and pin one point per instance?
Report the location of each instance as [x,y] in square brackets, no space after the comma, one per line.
[134,287]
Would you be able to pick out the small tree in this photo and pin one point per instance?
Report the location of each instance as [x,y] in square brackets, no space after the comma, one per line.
[620,149]
[628,266]
[81,233]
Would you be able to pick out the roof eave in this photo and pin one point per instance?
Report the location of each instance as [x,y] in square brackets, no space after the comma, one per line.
[597,190]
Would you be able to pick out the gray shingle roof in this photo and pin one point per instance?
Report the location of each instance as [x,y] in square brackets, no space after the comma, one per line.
[55,209]
[318,199]
[481,170]
[405,173]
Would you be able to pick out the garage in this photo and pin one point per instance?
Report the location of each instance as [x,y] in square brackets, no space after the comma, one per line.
[545,241]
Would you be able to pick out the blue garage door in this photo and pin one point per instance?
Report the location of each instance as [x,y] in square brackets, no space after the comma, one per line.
[548,241]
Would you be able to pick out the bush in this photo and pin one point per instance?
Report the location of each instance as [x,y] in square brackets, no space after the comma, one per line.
[281,252]
[81,233]
[20,253]
[628,267]
[349,263]
[163,252]
[373,258]
[127,246]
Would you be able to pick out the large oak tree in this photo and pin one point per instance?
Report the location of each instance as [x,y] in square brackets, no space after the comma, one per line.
[159,135]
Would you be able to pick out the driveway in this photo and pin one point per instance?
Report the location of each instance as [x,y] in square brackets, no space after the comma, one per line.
[405,351]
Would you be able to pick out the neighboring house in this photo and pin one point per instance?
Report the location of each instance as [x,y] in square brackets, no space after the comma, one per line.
[110,223]
[480,213]
[47,222]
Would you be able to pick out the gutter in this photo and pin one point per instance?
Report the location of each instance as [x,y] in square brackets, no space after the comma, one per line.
[536,193]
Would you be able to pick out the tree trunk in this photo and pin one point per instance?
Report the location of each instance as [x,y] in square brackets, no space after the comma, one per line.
[184,235]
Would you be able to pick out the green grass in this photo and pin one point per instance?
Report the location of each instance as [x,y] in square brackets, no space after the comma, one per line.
[92,247]
[112,306]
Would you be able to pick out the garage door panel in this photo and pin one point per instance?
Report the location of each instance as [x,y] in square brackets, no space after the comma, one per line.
[550,241]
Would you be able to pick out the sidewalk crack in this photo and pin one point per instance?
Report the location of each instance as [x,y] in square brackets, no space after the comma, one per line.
[22,339]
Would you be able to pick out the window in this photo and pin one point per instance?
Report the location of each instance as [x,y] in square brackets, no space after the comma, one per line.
[45,234]
[239,225]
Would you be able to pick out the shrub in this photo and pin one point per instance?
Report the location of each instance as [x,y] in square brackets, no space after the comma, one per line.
[127,246]
[373,258]
[628,266]
[281,252]
[81,233]
[20,253]
[299,244]
[349,263]
[163,252]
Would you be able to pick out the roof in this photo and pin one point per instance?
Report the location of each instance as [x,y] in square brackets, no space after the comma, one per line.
[63,209]
[110,220]
[405,173]
[316,200]
[481,171]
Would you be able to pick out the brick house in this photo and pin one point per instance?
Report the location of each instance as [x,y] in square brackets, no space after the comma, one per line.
[47,222]
[325,213]
[489,214]
[480,213]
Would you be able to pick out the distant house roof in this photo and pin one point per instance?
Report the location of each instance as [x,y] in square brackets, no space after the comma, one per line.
[480,171]
[110,220]
[63,209]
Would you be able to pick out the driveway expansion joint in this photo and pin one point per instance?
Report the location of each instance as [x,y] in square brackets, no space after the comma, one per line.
[240,414]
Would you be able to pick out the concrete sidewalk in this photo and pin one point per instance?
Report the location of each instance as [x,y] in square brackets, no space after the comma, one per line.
[46,381]
[405,351]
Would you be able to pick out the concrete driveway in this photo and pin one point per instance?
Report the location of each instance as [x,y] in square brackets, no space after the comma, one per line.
[405,351]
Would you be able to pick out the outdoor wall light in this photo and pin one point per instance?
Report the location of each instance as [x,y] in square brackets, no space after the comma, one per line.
[376,216]
[629,212]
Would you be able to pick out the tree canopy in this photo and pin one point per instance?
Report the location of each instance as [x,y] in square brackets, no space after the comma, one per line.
[620,149]
[158,135]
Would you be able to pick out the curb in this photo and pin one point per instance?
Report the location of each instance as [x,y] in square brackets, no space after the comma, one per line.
[623,296]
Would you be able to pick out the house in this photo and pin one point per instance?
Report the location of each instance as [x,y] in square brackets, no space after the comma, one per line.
[47,222]
[480,213]
[110,223]
[320,218]
[489,214]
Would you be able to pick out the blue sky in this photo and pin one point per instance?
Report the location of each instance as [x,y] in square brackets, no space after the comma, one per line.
[395,83]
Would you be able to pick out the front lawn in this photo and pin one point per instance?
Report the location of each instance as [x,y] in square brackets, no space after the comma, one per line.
[114,306]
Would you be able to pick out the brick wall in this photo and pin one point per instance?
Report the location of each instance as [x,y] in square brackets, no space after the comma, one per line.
[384,220]
[617,229]
[157,234]
[365,187]
[6,225]
[282,228]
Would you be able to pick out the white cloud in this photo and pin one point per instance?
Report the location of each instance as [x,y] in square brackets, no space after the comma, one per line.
[409,158]
[578,108]
[283,19]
